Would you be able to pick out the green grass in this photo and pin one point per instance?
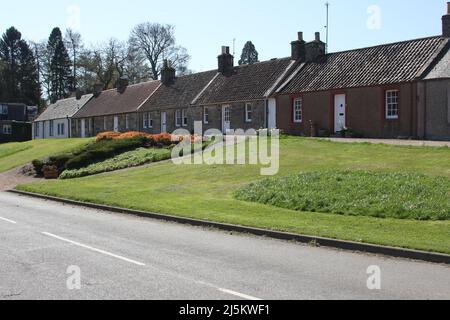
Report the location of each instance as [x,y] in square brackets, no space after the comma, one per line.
[125,160]
[358,193]
[206,192]
[16,154]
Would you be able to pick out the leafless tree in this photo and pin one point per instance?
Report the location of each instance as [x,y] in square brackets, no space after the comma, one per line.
[74,45]
[157,42]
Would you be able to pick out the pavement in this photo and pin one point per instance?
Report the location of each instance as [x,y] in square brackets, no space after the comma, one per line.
[45,245]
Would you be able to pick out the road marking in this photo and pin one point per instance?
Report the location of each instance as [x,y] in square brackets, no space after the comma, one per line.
[94,249]
[240,295]
[7,220]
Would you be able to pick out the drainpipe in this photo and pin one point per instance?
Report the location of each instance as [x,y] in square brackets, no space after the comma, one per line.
[69,128]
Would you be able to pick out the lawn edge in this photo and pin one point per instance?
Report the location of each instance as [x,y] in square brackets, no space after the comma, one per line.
[318,241]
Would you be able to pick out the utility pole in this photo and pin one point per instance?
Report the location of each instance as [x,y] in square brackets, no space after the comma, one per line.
[327,26]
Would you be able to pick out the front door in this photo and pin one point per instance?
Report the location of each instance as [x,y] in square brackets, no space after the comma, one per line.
[83,128]
[339,112]
[226,119]
[163,122]
[116,124]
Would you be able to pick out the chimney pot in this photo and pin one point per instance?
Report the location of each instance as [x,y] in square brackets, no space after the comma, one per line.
[317,36]
[298,50]
[300,36]
[448,7]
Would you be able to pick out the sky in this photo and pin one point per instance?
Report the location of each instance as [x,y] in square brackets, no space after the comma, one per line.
[203,26]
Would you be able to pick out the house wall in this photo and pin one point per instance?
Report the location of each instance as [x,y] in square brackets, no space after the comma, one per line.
[44,129]
[95,125]
[20,131]
[436,109]
[365,112]
[15,113]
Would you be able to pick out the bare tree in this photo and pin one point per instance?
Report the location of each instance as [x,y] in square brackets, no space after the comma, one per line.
[157,42]
[74,45]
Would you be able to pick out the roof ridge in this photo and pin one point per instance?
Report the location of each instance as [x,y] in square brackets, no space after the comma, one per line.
[133,85]
[385,45]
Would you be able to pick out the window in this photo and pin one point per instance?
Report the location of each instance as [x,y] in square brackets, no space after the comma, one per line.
[248,112]
[4,109]
[150,120]
[36,129]
[184,116]
[205,116]
[7,129]
[178,118]
[51,128]
[127,124]
[392,104]
[61,129]
[145,120]
[298,110]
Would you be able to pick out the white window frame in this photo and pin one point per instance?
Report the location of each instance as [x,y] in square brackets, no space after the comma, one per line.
[51,128]
[61,129]
[298,110]
[178,118]
[8,132]
[4,109]
[205,115]
[36,129]
[150,120]
[184,118]
[248,112]
[145,120]
[127,123]
[390,103]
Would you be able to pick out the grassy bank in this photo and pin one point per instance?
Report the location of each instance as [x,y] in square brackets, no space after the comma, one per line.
[206,192]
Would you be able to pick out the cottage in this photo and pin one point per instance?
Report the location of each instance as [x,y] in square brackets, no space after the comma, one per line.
[113,110]
[55,122]
[14,122]
[397,90]
[171,106]
[239,97]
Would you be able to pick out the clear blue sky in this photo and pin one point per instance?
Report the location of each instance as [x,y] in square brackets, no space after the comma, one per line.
[202,26]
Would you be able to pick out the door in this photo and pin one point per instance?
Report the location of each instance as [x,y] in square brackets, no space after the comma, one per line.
[83,128]
[272,117]
[116,124]
[226,119]
[339,112]
[163,122]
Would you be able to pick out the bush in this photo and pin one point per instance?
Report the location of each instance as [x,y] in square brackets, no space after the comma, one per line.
[125,160]
[38,167]
[104,149]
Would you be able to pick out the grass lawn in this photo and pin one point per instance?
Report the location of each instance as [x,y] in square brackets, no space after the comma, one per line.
[206,192]
[16,154]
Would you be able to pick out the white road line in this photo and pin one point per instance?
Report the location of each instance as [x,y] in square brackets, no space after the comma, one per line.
[7,220]
[240,295]
[94,249]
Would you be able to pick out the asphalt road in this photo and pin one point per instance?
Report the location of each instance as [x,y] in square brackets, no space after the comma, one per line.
[125,257]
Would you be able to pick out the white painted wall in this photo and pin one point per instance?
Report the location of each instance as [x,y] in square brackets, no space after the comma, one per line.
[44,129]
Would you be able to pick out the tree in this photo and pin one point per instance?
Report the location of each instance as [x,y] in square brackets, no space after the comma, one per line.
[58,71]
[157,42]
[249,54]
[19,75]
[74,42]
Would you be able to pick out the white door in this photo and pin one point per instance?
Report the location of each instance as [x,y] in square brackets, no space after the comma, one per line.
[272,121]
[116,124]
[83,128]
[163,122]
[226,119]
[339,112]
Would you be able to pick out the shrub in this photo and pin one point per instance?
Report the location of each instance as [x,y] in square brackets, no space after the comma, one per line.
[38,165]
[109,135]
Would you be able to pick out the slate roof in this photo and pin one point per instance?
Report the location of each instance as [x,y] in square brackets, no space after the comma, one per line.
[180,94]
[64,108]
[248,82]
[112,102]
[380,65]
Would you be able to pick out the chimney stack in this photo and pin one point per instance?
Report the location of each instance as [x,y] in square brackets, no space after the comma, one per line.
[168,73]
[98,88]
[226,62]
[315,49]
[446,22]
[122,84]
[298,50]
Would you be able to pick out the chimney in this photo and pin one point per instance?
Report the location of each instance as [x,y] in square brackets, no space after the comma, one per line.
[78,94]
[298,50]
[98,88]
[122,84]
[315,49]
[167,73]
[226,62]
[446,22]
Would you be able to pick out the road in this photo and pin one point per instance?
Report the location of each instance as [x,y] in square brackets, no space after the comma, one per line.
[126,257]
